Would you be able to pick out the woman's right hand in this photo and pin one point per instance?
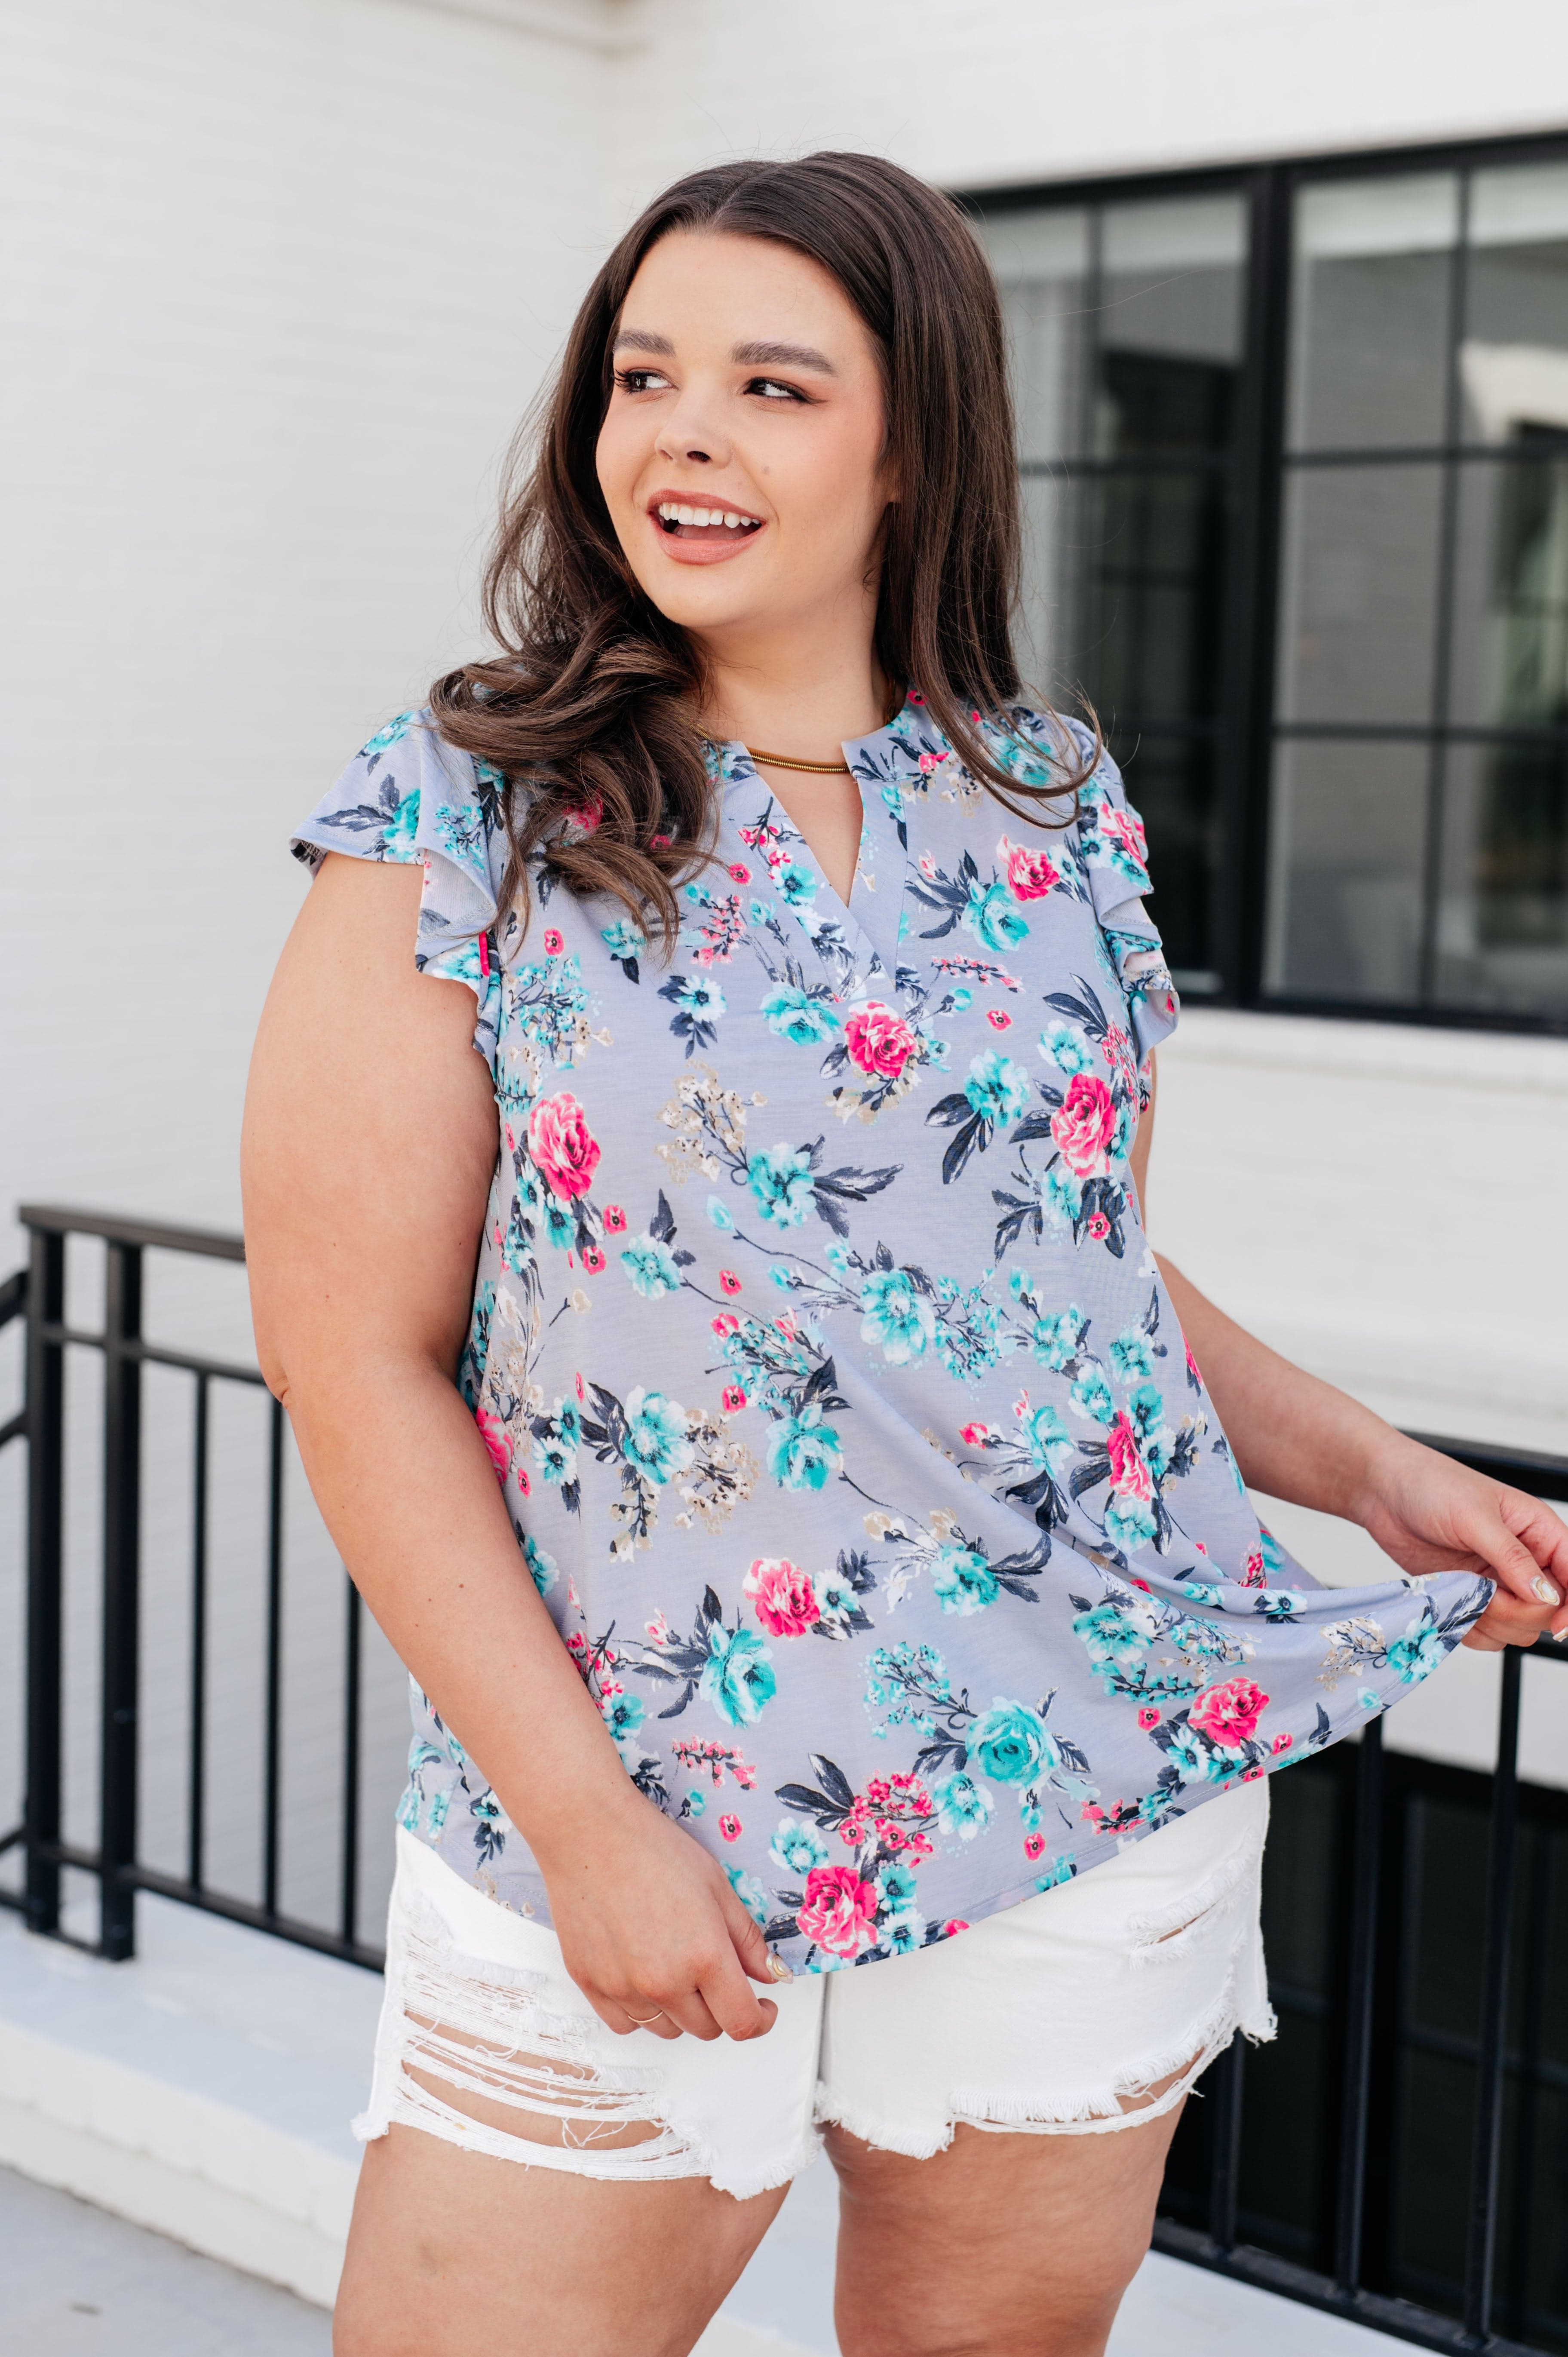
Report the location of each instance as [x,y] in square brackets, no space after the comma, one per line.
[649,1925]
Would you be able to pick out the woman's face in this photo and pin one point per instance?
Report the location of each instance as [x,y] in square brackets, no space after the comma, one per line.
[748,390]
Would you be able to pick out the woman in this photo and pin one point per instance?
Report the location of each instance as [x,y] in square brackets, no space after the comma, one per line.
[742,1388]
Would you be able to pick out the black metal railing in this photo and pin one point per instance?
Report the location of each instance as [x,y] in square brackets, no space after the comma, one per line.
[39,1293]
[1211,2238]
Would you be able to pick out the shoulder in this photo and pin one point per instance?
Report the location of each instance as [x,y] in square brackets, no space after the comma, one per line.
[407,793]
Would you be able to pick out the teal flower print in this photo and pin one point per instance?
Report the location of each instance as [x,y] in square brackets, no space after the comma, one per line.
[998,1088]
[737,1678]
[797,886]
[781,1185]
[392,733]
[750,1891]
[1128,1523]
[656,1440]
[1131,1356]
[651,1267]
[544,1569]
[797,1847]
[803,1016]
[895,1315]
[397,843]
[1047,1437]
[1057,1340]
[963,1807]
[963,1582]
[1418,1652]
[804,1451]
[1065,1045]
[623,1713]
[896,1887]
[1091,1396]
[993,915]
[1011,1743]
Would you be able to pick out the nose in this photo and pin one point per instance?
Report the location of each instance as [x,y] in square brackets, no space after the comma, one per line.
[690,432]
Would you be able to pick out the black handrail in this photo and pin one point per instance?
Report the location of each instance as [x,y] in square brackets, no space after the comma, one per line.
[37,1294]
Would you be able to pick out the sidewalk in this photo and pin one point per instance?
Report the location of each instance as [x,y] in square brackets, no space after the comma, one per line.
[203,2091]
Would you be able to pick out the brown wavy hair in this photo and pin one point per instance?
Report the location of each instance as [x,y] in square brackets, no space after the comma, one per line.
[589,706]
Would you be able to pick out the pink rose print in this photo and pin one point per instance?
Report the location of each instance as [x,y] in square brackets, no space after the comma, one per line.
[585,820]
[999,1018]
[1098,1226]
[725,1324]
[878,1041]
[562,1145]
[954,1923]
[615,1220]
[729,1825]
[581,1393]
[1253,1573]
[1228,1713]
[838,1911]
[975,1435]
[1084,1126]
[1148,1717]
[734,1399]
[1034,1845]
[492,1432]
[659,841]
[1121,828]
[593,1259]
[1031,873]
[1129,1474]
[728,1281]
[739,872]
[785,1601]
[1281,1743]
[553,944]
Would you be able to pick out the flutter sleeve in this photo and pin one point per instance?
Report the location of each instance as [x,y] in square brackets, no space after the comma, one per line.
[1115,856]
[409,797]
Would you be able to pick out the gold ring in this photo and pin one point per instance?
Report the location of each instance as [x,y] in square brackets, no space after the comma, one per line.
[642,2020]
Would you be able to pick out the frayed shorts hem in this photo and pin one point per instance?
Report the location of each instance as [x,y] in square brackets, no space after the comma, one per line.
[1091,2007]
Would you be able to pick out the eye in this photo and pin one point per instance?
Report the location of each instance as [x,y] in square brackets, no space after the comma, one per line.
[637,380]
[773,388]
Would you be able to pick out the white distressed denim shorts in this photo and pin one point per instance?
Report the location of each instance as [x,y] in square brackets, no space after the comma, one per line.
[1090,2007]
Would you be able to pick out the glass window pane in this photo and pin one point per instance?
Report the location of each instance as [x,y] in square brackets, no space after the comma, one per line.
[1170,325]
[1172,783]
[1510,590]
[1357,612]
[1155,596]
[1041,260]
[1502,925]
[1049,649]
[1369,311]
[1513,362]
[1346,852]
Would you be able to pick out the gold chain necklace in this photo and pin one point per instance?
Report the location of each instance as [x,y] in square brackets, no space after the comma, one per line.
[818,768]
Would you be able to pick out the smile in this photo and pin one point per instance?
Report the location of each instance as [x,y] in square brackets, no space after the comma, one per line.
[678,520]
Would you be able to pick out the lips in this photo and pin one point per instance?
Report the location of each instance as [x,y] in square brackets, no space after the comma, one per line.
[690,520]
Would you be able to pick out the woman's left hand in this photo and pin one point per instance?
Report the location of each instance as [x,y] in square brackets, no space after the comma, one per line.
[1430,1514]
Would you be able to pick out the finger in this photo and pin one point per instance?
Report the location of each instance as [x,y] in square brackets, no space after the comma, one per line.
[758,1960]
[689,2008]
[647,2013]
[729,1998]
[1510,1561]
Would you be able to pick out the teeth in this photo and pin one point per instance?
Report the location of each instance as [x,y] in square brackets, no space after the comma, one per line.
[672,511]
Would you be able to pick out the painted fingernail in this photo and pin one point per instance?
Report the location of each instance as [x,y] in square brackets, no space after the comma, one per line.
[1541,1587]
[779,1970]
[1560,1636]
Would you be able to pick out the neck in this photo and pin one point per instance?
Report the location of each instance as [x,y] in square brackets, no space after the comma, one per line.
[804,694]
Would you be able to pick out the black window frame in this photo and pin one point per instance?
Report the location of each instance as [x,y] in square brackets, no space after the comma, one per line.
[1248,727]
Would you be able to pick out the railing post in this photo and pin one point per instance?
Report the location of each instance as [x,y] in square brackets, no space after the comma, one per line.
[1365,1856]
[1481,2239]
[122,1533]
[45,1465]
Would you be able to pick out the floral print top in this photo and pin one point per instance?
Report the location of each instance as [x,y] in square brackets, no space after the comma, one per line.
[841,1412]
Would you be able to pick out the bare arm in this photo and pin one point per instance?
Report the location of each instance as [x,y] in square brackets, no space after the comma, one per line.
[1298,1438]
[369,1149]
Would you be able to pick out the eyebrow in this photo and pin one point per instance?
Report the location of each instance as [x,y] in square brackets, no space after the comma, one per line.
[762,355]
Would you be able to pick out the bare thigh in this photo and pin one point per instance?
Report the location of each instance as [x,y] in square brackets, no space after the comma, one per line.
[456,2253]
[1002,2245]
